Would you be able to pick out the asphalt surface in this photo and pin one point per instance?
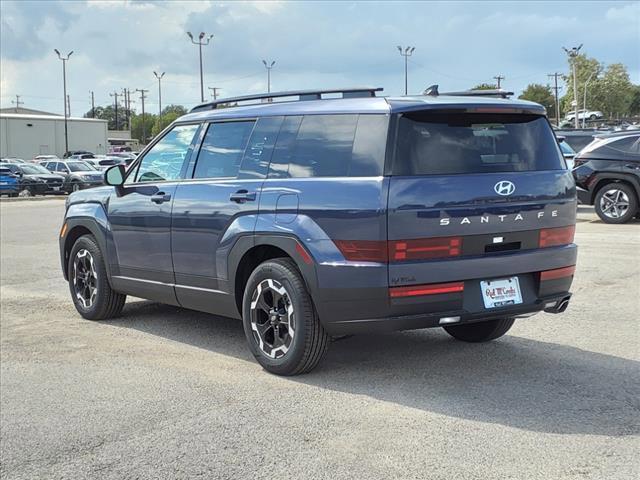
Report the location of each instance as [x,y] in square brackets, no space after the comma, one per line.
[169,393]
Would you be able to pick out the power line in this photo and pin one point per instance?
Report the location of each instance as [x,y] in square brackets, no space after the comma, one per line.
[555,76]
[17,102]
[144,127]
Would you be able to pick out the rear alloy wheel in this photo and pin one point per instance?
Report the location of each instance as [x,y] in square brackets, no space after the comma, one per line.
[481,331]
[282,328]
[75,186]
[616,203]
[90,290]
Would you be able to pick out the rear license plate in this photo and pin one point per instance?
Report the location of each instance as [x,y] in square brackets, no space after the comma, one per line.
[501,292]
[56,189]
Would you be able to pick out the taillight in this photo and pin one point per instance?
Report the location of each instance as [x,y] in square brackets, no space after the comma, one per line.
[557,273]
[424,248]
[363,250]
[550,237]
[429,289]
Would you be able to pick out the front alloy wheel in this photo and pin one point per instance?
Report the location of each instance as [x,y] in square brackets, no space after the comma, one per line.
[272,318]
[85,278]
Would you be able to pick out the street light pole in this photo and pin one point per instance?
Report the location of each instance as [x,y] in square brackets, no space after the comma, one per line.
[64,87]
[573,54]
[201,41]
[268,66]
[406,53]
[584,102]
[159,77]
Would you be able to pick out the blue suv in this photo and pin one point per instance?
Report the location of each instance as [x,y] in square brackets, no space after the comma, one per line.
[316,214]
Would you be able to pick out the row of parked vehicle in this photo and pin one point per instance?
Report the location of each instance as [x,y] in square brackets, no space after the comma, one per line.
[48,174]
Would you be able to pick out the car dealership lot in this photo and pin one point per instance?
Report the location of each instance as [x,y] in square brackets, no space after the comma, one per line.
[168,393]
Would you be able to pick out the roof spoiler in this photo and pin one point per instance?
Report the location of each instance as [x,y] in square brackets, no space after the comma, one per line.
[432,91]
[353,92]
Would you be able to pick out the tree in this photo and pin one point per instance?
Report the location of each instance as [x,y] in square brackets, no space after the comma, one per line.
[178,109]
[634,107]
[108,113]
[541,94]
[485,86]
[167,118]
[609,89]
[136,126]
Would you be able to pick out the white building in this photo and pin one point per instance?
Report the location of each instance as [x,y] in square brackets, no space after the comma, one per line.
[25,136]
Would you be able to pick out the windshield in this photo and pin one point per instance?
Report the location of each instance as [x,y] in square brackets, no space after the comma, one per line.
[80,166]
[34,169]
[441,143]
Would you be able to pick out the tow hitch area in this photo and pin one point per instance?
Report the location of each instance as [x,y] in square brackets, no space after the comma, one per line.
[557,306]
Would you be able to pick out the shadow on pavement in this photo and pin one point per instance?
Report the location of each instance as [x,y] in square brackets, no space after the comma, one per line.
[513,381]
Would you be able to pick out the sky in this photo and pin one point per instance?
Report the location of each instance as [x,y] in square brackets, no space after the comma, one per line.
[119,44]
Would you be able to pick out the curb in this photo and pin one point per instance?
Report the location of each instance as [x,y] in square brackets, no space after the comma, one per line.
[33,199]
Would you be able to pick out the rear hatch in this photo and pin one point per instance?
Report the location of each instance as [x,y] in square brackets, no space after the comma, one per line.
[468,186]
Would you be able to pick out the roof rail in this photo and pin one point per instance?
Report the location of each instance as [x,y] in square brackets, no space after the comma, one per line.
[433,91]
[302,95]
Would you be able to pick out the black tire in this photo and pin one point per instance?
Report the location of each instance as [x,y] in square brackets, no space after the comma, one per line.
[611,210]
[75,186]
[309,342]
[106,303]
[481,331]
[592,117]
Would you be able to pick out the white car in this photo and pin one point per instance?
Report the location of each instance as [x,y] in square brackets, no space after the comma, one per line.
[585,115]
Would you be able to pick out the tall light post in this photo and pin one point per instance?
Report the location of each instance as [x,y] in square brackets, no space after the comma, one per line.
[159,77]
[584,101]
[406,53]
[268,66]
[573,54]
[64,98]
[203,39]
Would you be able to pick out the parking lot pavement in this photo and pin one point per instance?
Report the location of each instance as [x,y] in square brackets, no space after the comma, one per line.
[168,393]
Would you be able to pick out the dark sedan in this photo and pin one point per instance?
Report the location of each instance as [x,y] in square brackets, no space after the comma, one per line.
[36,180]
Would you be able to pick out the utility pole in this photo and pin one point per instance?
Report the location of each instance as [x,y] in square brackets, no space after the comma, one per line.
[144,127]
[499,78]
[127,106]
[214,92]
[408,51]
[573,54]
[159,77]
[17,102]
[69,105]
[268,66]
[93,105]
[201,41]
[115,103]
[584,102]
[555,76]
[64,98]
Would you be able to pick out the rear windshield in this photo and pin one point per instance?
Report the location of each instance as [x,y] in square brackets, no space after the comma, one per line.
[454,143]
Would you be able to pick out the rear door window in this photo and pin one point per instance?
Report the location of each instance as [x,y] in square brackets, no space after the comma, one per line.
[222,149]
[330,146]
[459,143]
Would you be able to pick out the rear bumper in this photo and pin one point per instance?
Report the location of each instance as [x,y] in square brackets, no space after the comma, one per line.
[551,304]
[354,299]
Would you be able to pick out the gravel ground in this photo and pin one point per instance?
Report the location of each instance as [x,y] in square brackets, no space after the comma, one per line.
[169,393]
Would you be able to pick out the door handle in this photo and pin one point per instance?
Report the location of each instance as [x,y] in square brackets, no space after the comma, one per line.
[242,196]
[160,197]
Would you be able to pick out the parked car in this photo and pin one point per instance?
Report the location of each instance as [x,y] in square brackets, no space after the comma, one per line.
[584,115]
[578,139]
[567,152]
[78,175]
[76,152]
[316,218]
[607,173]
[12,160]
[103,162]
[36,180]
[44,158]
[127,157]
[9,181]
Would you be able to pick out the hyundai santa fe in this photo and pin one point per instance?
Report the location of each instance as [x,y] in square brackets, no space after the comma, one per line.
[310,217]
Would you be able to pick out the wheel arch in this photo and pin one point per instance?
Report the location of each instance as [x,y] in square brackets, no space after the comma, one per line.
[251,251]
[602,180]
[75,228]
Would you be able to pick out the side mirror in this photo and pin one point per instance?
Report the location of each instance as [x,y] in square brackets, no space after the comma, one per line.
[114,176]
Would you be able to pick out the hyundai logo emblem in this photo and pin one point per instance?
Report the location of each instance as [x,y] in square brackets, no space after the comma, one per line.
[504,188]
